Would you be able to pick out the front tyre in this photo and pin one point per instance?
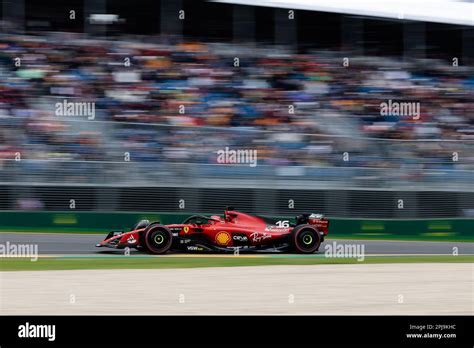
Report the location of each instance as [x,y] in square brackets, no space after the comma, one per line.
[158,239]
[306,239]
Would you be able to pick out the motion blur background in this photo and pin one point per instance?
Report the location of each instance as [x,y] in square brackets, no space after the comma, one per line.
[182,98]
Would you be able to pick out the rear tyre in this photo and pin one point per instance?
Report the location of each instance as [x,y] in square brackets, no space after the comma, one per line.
[158,239]
[306,239]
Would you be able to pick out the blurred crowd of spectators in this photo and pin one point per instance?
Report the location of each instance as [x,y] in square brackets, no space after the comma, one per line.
[182,102]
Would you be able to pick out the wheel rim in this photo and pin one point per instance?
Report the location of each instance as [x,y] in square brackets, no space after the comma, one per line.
[159,239]
[307,240]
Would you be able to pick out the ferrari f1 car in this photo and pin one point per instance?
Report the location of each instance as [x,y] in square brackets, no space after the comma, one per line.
[235,230]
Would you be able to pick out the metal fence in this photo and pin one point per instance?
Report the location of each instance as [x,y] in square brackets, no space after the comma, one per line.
[281,201]
[217,175]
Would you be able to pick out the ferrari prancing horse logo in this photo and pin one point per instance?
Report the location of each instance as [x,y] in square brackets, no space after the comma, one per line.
[223,238]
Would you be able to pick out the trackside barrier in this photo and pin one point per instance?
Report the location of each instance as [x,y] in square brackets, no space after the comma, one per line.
[101,222]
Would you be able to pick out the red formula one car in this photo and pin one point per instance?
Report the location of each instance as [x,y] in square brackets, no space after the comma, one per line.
[235,230]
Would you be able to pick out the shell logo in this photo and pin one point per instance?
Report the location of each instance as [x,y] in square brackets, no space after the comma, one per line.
[223,238]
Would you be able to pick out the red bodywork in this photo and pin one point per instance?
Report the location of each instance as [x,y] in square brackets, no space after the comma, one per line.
[235,229]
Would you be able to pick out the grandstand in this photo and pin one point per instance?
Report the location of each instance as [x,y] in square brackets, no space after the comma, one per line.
[166,102]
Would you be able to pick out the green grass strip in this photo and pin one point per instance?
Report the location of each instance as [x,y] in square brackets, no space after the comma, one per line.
[167,262]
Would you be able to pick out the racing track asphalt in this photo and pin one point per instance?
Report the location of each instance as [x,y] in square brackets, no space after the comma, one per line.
[62,243]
